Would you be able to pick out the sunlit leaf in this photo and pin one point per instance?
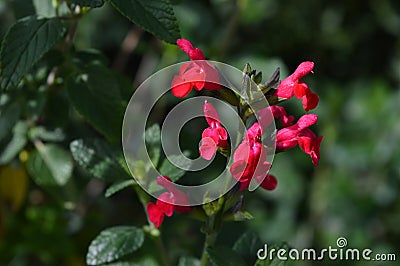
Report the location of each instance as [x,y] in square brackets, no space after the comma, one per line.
[50,165]
[118,187]
[114,243]
[155,16]
[99,158]
[16,144]
[24,44]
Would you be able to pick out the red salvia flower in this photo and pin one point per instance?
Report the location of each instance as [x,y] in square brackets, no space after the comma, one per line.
[291,86]
[300,133]
[214,136]
[250,161]
[198,74]
[164,205]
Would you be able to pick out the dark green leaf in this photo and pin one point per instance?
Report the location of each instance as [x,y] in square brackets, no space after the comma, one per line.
[275,261]
[23,8]
[99,158]
[155,16]
[24,44]
[114,243]
[153,141]
[96,96]
[8,117]
[119,186]
[170,170]
[142,262]
[247,246]
[222,256]
[189,261]
[16,144]
[50,165]
[88,3]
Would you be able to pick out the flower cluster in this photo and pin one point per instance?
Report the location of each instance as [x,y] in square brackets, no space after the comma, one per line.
[250,156]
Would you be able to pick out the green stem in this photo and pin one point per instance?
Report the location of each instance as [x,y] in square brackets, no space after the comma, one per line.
[143,198]
[211,230]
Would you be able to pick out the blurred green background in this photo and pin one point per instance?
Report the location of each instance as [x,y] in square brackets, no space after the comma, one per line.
[354,193]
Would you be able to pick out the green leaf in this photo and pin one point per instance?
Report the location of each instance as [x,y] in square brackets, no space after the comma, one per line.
[242,216]
[119,186]
[88,3]
[96,96]
[142,262]
[247,246]
[170,170]
[46,135]
[16,144]
[8,117]
[222,256]
[153,141]
[24,44]
[50,165]
[275,261]
[155,16]
[188,261]
[114,243]
[99,158]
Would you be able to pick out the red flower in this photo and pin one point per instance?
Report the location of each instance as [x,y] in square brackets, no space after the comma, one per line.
[187,47]
[266,115]
[198,74]
[310,144]
[299,133]
[291,86]
[214,136]
[250,161]
[165,204]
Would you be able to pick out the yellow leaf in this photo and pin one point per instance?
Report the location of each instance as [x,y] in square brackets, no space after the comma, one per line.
[13,185]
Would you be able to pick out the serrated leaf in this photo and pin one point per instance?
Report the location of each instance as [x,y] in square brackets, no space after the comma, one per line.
[119,186]
[222,256]
[275,261]
[50,165]
[88,3]
[189,261]
[99,87]
[153,141]
[114,243]
[155,16]
[16,144]
[99,158]
[24,44]
[247,246]
[170,170]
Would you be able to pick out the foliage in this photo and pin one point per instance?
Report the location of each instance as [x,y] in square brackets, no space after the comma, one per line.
[66,74]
